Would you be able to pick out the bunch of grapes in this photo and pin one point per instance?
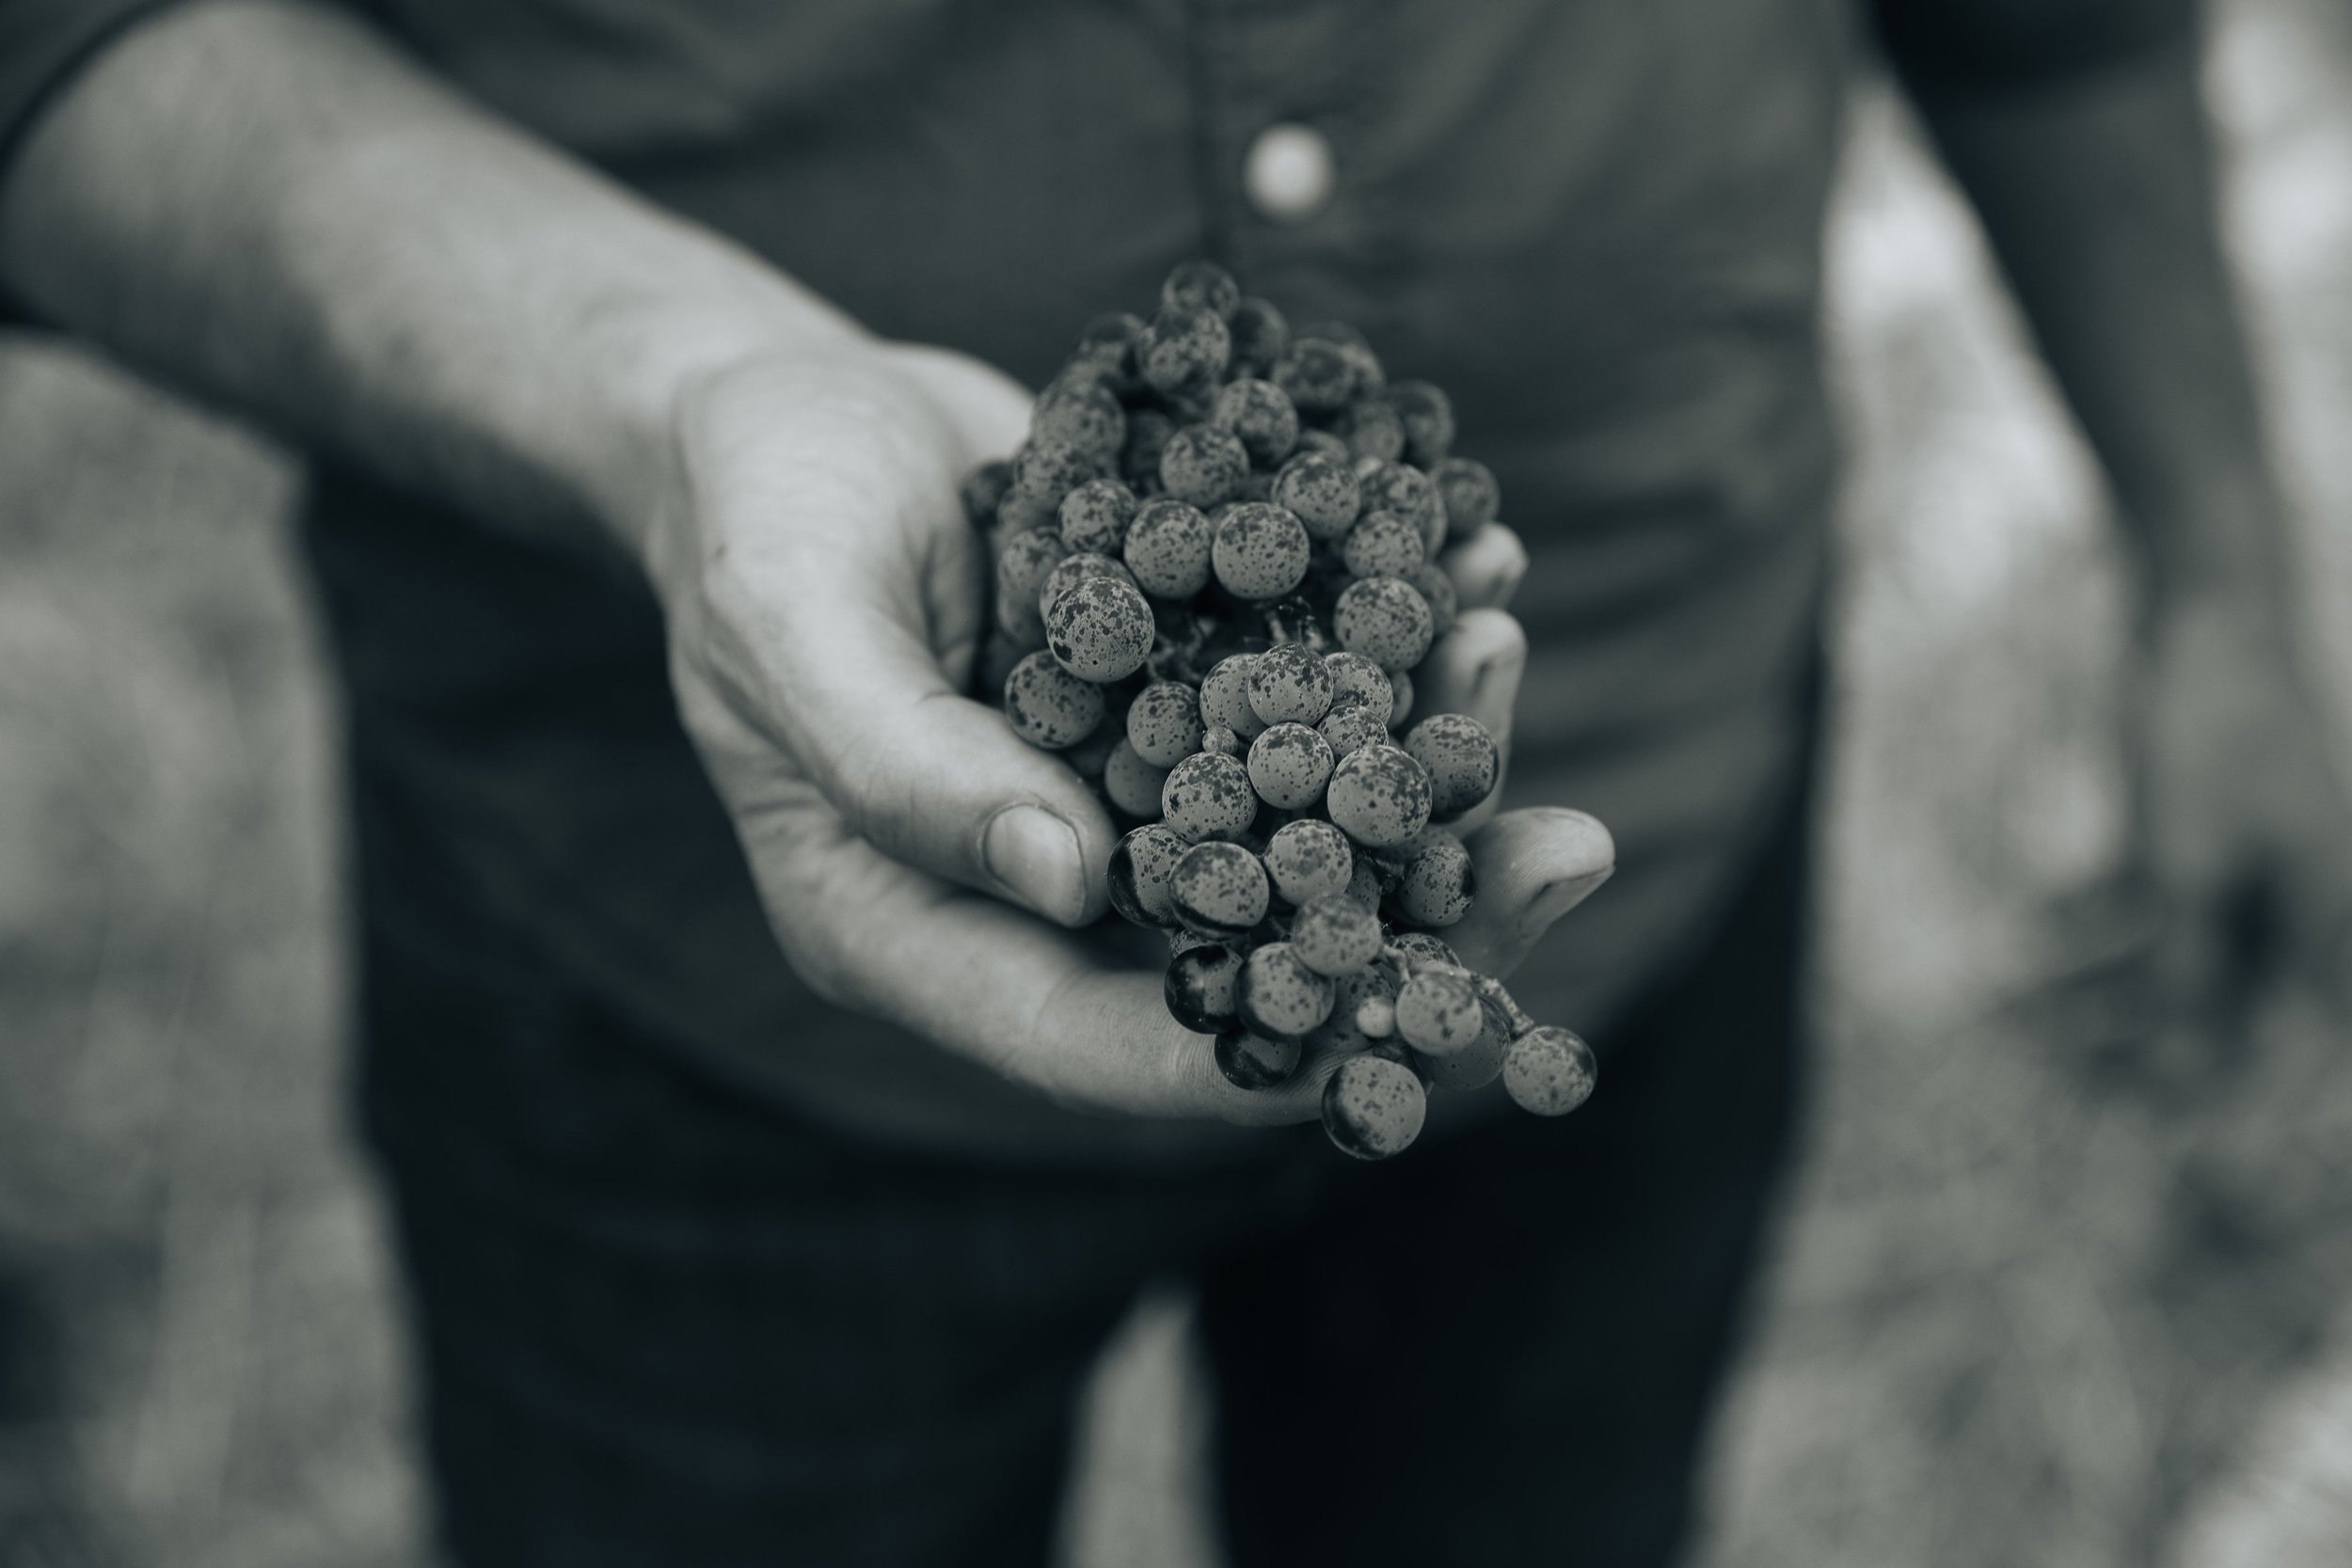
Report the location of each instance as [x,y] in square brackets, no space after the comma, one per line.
[1215,573]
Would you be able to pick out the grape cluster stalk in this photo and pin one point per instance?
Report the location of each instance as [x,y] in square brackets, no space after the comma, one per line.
[1216,572]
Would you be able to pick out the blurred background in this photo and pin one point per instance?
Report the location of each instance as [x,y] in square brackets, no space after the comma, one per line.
[2038,1301]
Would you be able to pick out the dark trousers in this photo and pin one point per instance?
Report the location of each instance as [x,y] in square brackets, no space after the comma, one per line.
[662,1322]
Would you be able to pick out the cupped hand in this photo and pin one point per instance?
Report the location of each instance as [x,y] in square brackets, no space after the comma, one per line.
[918,862]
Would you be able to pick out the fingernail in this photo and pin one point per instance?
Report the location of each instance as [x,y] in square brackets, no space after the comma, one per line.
[1034,856]
[1558,898]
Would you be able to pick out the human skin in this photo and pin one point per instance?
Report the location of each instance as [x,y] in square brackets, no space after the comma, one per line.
[269,206]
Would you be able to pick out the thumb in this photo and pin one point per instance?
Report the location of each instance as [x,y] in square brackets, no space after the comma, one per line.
[1532,866]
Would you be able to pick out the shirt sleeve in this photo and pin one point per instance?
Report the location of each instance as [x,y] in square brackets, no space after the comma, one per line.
[1969,46]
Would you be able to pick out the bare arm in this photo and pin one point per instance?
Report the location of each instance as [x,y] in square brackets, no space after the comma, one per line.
[270,206]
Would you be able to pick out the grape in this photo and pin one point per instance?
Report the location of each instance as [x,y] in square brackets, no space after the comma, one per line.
[1378,796]
[1071,570]
[1164,724]
[1141,866]
[1148,434]
[1321,490]
[1261,416]
[1549,1071]
[1224,742]
[1259,334]
[1354,675]
[1428,415]
[1436,591]
[1437,1012]
[1401,488]
[1184,349]
[1375,1017]
[1081,415]
[1225,697]
[1363,882]
[1381,545]
[1090,756]
[1421,949]
[1095,515]
[1133,785]
[1200,286]
[1472,498]
[1335,935]
[1309,860]
[1101,629]
[1475,1066]
[1208,796]
[1168,548]
[1280,996]
[1385,619]
[1372,1107]
[1203,464]
[1288,682]
[1461,757]
[1356,349]
[1042,474]
[1261,551]
[1028,558]
[1289,766]
[1051,707]
[1438,884]
[1200,987]
[983,487]
[1374,431]
[1317,375]
[1253,1061]
[1109,342]
[1221,889]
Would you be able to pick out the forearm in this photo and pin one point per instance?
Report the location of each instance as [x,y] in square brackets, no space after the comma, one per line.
[269,206]
[2099,196]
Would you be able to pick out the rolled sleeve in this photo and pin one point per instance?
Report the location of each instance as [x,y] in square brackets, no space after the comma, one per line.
[1977,45]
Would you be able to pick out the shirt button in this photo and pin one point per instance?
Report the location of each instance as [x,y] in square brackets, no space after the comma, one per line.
[1289,172]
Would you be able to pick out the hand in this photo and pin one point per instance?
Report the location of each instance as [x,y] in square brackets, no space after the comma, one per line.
[2245,821]
[918,862]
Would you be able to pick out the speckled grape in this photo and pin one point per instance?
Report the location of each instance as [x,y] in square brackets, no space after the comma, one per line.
[1461,758]
[1208,796]
[1204,465]
[1437,1012]
[1221,889]
[1261,551]
[1374,431]
[1382,544]
[1199,989]
[1224,742]
[1280,995]
[1322,490]
[1260,333]
[1438,885]
[1261,415]
[1386,619]
[1467,490]
[1378,796]
[1026,560]
[1051,707]
[1185,348]
[1372,1107]
[1071,570]
[1318,375]
[1168,548]
[1199,285]
[1083,414]
[1133,783]
[1291,683]
[1289,765]
[1401,488]
[1042,474]
[1164,724]
[1095,515]
[1148,434]
[1100,628]
[1420,947]
[1335,935]
[1549,1071]
[1309,860]
[1142,864]
[1436,591]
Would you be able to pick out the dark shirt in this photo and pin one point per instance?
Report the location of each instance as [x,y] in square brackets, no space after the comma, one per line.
[1598,224]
